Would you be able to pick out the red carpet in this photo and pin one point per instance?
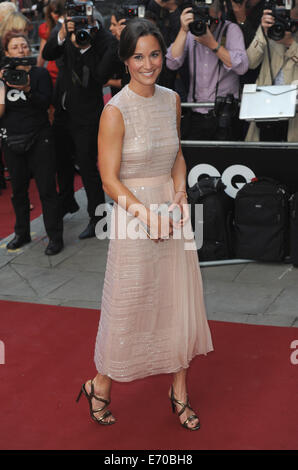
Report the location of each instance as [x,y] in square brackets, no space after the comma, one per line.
[7,217]
[245,391]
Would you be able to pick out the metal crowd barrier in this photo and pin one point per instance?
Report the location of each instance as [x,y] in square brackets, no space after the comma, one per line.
[232,143]
[226,144]
[223,143]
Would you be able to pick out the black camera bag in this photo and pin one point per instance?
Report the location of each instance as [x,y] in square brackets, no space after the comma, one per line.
[217,217]
[261,223]
[294,229]
[20,144]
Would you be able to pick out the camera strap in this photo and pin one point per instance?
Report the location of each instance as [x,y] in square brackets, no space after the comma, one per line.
[76,79]
[195,65]
[85,79]
[223,37]
[194,71]
[269,55]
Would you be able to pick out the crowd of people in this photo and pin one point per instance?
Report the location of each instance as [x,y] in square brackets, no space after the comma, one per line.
[49,121]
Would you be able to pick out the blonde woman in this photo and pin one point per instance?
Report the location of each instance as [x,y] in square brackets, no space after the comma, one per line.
[15,21]
[5,9]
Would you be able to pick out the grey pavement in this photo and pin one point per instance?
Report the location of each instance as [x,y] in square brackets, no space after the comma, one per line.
[252,293]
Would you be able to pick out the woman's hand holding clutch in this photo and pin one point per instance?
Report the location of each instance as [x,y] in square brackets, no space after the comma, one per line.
[160,227]
[180,202]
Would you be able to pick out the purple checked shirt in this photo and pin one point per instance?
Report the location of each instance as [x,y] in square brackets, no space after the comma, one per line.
[207,66]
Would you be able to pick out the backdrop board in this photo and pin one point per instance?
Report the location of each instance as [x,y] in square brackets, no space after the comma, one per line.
[238,162]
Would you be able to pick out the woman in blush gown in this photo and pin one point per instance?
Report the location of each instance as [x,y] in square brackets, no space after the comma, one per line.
[153,317]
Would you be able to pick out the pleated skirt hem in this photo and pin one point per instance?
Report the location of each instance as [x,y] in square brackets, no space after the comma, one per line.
[158,371]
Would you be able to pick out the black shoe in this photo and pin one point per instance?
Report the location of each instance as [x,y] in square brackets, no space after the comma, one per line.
[54,247]
[70,208]
[89,231]
[18,241]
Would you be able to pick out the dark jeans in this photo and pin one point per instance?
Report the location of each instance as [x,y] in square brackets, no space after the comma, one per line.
[64,150]
[85,141]
[38,162]
[2,179]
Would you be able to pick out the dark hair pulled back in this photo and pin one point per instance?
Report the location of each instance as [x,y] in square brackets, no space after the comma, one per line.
[134,30]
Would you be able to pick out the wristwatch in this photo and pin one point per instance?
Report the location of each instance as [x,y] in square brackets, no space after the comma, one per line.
[216,49]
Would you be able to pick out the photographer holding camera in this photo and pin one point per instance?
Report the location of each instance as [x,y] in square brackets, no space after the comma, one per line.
[167,14]
[275,46]
[81,43]
[216,57]
[28,146]
[116,74]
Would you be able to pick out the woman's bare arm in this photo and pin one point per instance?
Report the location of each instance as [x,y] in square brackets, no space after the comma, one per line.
[179,168]
[110,141]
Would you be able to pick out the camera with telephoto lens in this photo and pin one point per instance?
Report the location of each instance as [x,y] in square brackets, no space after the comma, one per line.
[202,18]
[225,109]
[81,13]
[129,12]
[281,10]
[11,74]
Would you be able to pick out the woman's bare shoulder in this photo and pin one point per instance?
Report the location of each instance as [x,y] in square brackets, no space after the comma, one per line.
[111,118]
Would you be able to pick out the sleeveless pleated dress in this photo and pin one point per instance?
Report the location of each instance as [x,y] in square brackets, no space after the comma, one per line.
[153,318]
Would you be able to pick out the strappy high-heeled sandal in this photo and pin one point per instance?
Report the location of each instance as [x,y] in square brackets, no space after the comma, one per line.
[174,401]
[89,397]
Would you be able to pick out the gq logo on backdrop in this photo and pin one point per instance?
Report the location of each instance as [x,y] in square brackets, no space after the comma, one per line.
[234,177]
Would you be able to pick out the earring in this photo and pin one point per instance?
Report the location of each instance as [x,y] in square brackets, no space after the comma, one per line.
[126,69]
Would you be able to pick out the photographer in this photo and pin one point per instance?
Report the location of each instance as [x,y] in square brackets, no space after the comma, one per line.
[279,59]
[28,147]
[116,74]
[167,16]
[79,92]
[216,58]
[64,153]
[247,14]
[5,9]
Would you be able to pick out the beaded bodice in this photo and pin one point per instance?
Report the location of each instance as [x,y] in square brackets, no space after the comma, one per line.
[150,142]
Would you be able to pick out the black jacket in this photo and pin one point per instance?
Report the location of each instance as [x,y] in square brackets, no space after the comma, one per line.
[168,23]
[81,75]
